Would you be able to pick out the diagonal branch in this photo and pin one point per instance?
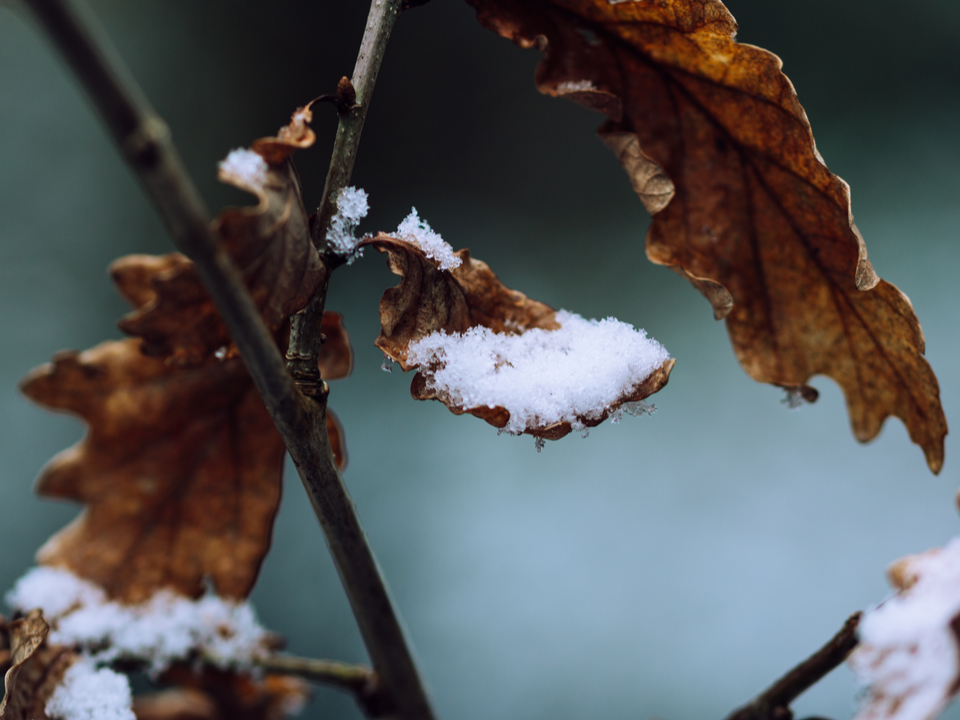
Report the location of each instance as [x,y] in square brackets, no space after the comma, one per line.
[774,702]
[145,142]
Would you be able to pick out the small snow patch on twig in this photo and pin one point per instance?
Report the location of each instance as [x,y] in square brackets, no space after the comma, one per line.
[418,231]
[352,207]
[245,167]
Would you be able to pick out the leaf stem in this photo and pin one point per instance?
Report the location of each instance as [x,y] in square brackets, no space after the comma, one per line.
[144,141]
[774,702]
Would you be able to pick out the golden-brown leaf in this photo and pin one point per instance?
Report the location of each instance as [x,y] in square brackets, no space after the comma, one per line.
[180,472]
[719,149]
[35,668]
[269,242]
[429,300]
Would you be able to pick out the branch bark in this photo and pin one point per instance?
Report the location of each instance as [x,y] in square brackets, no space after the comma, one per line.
[774,702]
[144,141]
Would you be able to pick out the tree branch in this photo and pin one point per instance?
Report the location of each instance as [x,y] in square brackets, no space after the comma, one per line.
[145,142]
[774,702]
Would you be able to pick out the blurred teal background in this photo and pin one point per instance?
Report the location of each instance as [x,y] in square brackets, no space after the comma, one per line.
[669,567]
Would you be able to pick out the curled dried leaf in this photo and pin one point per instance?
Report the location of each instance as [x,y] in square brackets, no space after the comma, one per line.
[720,151]
[429,299]
[269,242]
[35,668]
[430,303]
[180,472]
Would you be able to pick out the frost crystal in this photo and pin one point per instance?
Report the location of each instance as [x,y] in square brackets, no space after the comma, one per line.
[166,628]
[541,376]
[352,207]
[91,693]
[908,652]
[245,167]
[415,230]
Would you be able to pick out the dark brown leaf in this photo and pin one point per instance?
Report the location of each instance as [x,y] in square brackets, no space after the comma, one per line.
[180,472]
[719,149]
[429,300]
[269,242]
[35,668]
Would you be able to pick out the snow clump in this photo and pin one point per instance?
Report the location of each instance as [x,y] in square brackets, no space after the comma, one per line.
[245,167]
[908,656]
[541,377]
[164,629]
[417,231]
[352,207]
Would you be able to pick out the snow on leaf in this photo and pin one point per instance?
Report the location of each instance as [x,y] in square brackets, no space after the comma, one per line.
[486,350]
[269,242]
[416,230]
[720,151]
[909,653]
[180,472]
[571,377]
[162,630]
[36,668]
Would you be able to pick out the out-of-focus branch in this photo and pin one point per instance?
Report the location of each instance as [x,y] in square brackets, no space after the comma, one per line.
[774,702]
[145,142]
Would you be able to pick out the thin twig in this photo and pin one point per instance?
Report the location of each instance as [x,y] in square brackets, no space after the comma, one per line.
[774,702]
[145,142]
[305,327]
[353,678]
[358,680]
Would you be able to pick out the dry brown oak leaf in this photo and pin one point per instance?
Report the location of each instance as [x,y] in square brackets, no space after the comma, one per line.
[34,668]
[429,299]
[180,472]
[269,243]
[721,153]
